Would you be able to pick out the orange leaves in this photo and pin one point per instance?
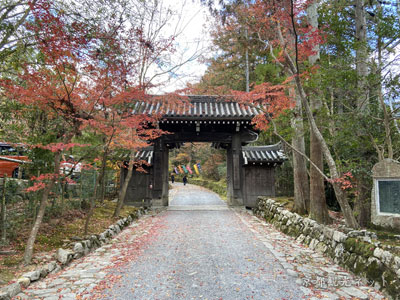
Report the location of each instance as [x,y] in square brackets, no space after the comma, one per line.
[270,101]
[345,182]
[43,177]
[288,40]
[75,85]
[37,186]
[261,122]
[57,37]
[283,25]
[40,182]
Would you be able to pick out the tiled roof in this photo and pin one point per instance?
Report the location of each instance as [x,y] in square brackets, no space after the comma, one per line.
[263,154]
[145,154]
[200,107]
[251,154]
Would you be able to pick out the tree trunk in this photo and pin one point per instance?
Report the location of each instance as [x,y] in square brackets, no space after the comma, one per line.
[362,206]
[362,203]
[361,56]
[94,197]
[340,195]
[247,62]
[103,187]
[3,212]
[63,189]
[124,187]
[103,176]
[42,208]
[301,186]
[386,113]
[318,207]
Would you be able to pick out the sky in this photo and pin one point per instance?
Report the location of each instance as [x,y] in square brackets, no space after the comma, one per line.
[192,21]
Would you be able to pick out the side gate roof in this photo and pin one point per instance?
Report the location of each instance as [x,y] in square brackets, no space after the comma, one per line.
[252,155]
[268,155]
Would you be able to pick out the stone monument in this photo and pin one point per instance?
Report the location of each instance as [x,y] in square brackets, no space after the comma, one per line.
[385,198]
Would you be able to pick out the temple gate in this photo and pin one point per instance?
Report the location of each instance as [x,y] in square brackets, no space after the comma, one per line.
[225,124]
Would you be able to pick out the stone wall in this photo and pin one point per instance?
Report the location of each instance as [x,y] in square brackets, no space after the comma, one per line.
[64,256]
[354,250]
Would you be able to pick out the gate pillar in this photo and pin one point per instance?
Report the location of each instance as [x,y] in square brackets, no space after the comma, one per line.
[234,171]
[160,174]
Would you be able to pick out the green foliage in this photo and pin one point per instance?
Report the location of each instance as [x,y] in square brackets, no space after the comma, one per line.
[14,39]
[268,72]
[10,121]
[284,180]
[12,190]
[353,136]
[213,162]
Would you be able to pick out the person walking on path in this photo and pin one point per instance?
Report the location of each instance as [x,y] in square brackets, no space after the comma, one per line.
[172,178]
[184,180]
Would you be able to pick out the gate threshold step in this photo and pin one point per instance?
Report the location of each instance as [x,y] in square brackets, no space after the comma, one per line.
[198,207]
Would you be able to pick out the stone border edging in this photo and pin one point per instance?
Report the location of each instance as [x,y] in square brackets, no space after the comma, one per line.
[353,250]
[64,257]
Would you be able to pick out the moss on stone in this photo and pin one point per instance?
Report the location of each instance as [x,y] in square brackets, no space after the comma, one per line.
[360,266]
[374,271]
[357,256]
[330,252]
[351,261]
[367,249]
[268,218]
[315,234]
[290,231]
[359,247]
[389,277]
[295,231]
[285,229]
[393,289]
[350,244]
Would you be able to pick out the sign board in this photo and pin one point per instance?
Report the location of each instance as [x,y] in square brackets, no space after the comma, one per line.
[388,196]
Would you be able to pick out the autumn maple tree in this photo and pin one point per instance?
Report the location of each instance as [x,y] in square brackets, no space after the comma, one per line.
[81,82]
[290,35]
[51,84]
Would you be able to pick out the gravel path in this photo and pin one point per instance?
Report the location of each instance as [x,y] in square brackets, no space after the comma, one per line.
[192,195]
[200,249]
[204,254]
